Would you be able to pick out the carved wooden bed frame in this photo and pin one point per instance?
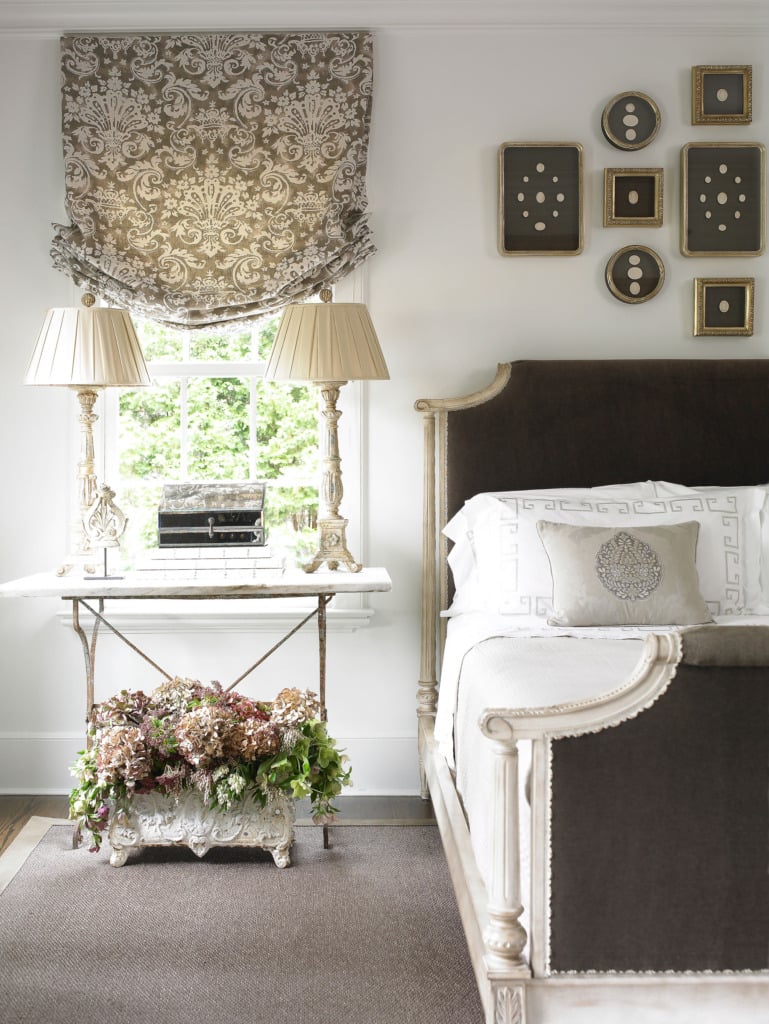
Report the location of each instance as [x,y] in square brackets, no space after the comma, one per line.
[553,425]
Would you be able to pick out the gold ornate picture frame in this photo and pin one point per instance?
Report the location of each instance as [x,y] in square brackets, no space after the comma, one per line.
[540,199]
[632,196]
[722,94]
[722,199]
[723,306]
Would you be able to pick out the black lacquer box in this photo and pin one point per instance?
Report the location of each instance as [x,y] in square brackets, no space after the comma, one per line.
[221,514]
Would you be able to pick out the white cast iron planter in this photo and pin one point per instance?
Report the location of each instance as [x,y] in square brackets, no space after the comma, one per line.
[155,819]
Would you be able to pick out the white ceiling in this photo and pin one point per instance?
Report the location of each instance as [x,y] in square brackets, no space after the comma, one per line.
[680,16]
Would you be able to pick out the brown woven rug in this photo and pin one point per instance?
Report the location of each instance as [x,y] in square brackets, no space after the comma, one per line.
[364,933]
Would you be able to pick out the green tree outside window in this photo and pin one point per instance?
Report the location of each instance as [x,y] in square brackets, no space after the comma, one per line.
[201,422]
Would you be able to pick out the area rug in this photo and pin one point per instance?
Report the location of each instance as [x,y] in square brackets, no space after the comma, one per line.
[366,932]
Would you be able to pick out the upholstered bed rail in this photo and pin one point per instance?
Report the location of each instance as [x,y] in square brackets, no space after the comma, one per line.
[660,827]
[724,646]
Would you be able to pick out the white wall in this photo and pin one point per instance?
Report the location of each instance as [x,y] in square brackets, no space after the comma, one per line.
[452,81]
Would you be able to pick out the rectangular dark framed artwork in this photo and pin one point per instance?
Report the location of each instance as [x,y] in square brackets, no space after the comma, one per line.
[632,196]
[723,306]
[540,199]
[722,94]
[722,199]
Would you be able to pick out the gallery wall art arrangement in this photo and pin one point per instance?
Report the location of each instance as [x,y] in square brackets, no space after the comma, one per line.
[722,198]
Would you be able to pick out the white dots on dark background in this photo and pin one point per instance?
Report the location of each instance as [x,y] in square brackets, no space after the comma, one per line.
[721,198]
[540,197]
[630,121]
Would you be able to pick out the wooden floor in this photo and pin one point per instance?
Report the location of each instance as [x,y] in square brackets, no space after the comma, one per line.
[15,811]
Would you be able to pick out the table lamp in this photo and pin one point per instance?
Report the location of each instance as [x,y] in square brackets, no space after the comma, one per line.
[87,348]
[328,343]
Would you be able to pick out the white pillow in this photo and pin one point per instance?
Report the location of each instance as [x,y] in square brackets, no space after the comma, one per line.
[512,575]
[468,595]
[752,503]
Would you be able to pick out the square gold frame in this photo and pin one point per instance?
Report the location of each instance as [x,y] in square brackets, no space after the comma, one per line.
[703,110]
[618,199]
[705,324]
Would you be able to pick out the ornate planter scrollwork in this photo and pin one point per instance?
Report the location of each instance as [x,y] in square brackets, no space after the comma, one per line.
[155,819]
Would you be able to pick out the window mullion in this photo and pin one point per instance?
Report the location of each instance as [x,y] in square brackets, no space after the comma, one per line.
[252,426]
[184,417]
[183,426]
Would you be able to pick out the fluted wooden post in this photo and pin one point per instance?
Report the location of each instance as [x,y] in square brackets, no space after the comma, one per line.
[427,692]
[505,936]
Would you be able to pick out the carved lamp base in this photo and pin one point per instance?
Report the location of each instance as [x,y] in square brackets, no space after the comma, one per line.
[332,546]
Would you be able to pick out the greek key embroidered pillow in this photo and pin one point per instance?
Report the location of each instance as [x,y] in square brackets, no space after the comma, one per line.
[620,576]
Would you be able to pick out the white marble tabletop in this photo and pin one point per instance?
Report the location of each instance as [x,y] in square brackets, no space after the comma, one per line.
[203,584]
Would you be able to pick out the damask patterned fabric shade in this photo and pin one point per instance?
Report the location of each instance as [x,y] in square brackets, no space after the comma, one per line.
[214,178]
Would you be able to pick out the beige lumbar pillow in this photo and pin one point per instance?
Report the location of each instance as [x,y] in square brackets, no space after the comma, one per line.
[628,575]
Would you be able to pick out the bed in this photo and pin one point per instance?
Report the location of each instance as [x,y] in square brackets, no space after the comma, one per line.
[601,784]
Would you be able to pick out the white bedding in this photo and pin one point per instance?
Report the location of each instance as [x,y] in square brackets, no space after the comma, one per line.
[522,671]
[574,672]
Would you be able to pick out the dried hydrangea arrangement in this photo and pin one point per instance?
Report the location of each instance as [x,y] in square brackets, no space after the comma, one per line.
[187,735]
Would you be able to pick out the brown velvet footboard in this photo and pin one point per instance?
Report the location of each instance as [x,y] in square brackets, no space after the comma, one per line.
[660,826]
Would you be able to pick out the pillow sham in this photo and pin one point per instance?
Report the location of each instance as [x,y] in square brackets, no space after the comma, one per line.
[623,576]
[469,594]
[511,576]
[752,502]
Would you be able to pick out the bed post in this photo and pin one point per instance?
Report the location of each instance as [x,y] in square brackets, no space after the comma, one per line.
[504,936]
[434,582]
[427,692]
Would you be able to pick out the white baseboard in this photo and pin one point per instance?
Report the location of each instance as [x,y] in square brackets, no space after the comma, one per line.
[38,763]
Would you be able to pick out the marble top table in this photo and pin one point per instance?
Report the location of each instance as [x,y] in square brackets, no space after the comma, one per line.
[205,584]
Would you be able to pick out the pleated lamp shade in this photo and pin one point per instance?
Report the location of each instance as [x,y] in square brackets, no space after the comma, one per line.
[326,341]
[88,347]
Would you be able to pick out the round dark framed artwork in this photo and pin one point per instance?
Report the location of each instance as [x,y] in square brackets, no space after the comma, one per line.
[630,120]
[635,274]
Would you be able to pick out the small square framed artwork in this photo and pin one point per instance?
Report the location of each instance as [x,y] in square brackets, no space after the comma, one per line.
[722,199]
[723,306]
[540,199]
[632,196]
[722,94]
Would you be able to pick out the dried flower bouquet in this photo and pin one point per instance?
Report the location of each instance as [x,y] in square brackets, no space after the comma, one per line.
[185,735]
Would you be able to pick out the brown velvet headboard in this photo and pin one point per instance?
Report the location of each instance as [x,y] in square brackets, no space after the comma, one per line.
[582,423]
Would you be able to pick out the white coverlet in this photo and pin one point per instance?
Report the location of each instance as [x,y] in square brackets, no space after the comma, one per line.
[505,672]
[572,672]
[577,679]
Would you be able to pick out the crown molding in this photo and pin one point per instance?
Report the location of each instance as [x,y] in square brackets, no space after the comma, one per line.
[51,17]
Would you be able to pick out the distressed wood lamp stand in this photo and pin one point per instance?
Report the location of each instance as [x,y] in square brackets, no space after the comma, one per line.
[87,348]
[329,344]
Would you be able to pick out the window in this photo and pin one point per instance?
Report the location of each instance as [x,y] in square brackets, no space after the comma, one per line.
[211,416]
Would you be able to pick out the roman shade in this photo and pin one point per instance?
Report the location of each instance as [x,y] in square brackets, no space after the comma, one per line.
[214,178]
